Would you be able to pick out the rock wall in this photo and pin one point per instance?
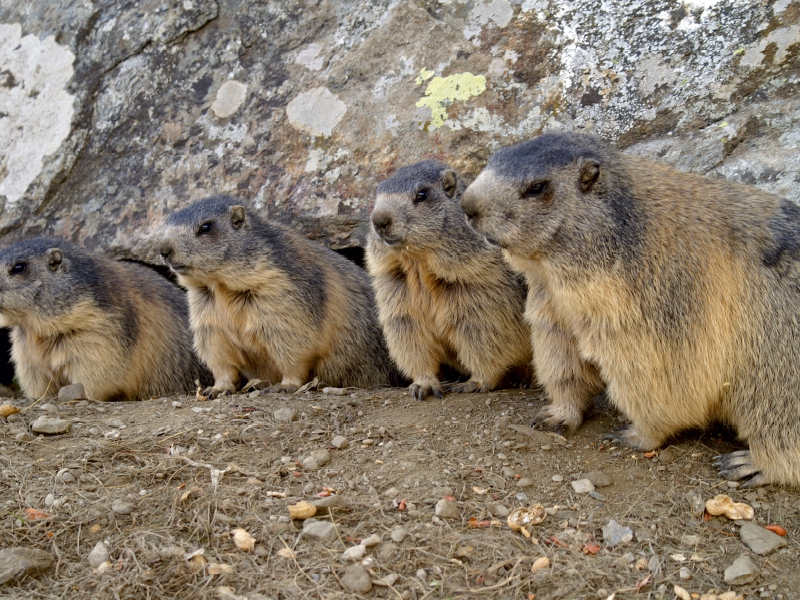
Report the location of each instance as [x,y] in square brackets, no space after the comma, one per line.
[113,114]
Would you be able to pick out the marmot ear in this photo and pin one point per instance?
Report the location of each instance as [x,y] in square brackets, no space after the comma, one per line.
[237,216]
[55,257]
[449,183]
[590,172]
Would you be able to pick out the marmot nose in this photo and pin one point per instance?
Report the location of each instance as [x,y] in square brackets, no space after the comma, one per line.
[381,222]
[165,252]
[469,206]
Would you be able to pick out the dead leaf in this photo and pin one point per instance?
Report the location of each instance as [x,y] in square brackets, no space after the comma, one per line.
[243,540]
[314,383]
[287,553]
[643,581]
[591,548]
[219,569]
[34,514]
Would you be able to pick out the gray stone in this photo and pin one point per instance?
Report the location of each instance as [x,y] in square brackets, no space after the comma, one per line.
[310,463]
[398,534]
[332,501]
[598,478]
[121,507]
[447,509]
[439,492]
[356,579]
[496,509]
[321,531]
[71,392]
[77,145]
[615,534]
[743,570]
[51,425]
[759,540]
[340,442]
[17,562]
[582,486]
[98,555]
[285,415]
[524,482]
[322,456]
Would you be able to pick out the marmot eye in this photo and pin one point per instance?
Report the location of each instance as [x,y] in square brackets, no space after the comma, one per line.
[535,189]
[204,228]
[421,196]
[17,268]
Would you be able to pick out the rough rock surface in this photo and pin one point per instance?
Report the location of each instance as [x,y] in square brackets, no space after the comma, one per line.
[114,114]
[16,563]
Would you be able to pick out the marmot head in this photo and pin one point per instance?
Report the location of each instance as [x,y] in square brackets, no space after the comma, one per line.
[43,279]
[203,238]
[418,205]
[551,191]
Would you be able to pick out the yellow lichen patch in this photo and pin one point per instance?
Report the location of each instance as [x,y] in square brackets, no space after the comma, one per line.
[424,75]
[445,90]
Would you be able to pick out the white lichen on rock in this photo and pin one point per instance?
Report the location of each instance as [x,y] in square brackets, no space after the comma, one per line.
[230,97]
[35,109]
[316,111]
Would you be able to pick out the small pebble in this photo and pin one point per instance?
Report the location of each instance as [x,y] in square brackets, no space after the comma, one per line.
[598,478]
[760,540]
[742,570]
[177,404]
[391,492]
[50,425]
[340,442]
[321,531]
[121,507]
[285,415]
[524,482]
[64,476]
[47,407]
[354,553]
[615,534]
[447,509]
[557,478]
[322,456]
[684,574]
[98,555]
[398,534]
[49,499]
[310,464]
[371,541]
[356,579]
[498,510]
[582,486]
[666,456]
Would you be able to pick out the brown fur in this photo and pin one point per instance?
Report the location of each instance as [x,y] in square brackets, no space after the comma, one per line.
[120,329]
[268,304]
[679,293]
[444,296]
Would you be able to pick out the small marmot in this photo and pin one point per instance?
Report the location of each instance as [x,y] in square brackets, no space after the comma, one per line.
[445,297]
[679,293]
[118,328]
[266,303]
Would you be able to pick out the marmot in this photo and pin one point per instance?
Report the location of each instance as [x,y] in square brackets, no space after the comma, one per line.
[444,295]
[118,328]
[678,292]
[266,303]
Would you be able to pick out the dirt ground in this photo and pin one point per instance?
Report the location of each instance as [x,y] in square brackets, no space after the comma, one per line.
[155,461]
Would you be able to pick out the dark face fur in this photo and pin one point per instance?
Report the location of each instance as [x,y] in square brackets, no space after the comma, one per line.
[524,197]
[41,279]
[204,237]
[416,205]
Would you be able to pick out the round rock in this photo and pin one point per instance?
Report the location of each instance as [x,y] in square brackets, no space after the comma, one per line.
[51,425]
[121,507]
[71,392]
[357,580]
[285,415]
[743,570]
[447,509]
[759,540]
[340,442]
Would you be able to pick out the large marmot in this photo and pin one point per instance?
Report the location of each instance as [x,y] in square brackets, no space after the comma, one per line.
[266,303]
[680,293]
[120,329]
[444,295]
